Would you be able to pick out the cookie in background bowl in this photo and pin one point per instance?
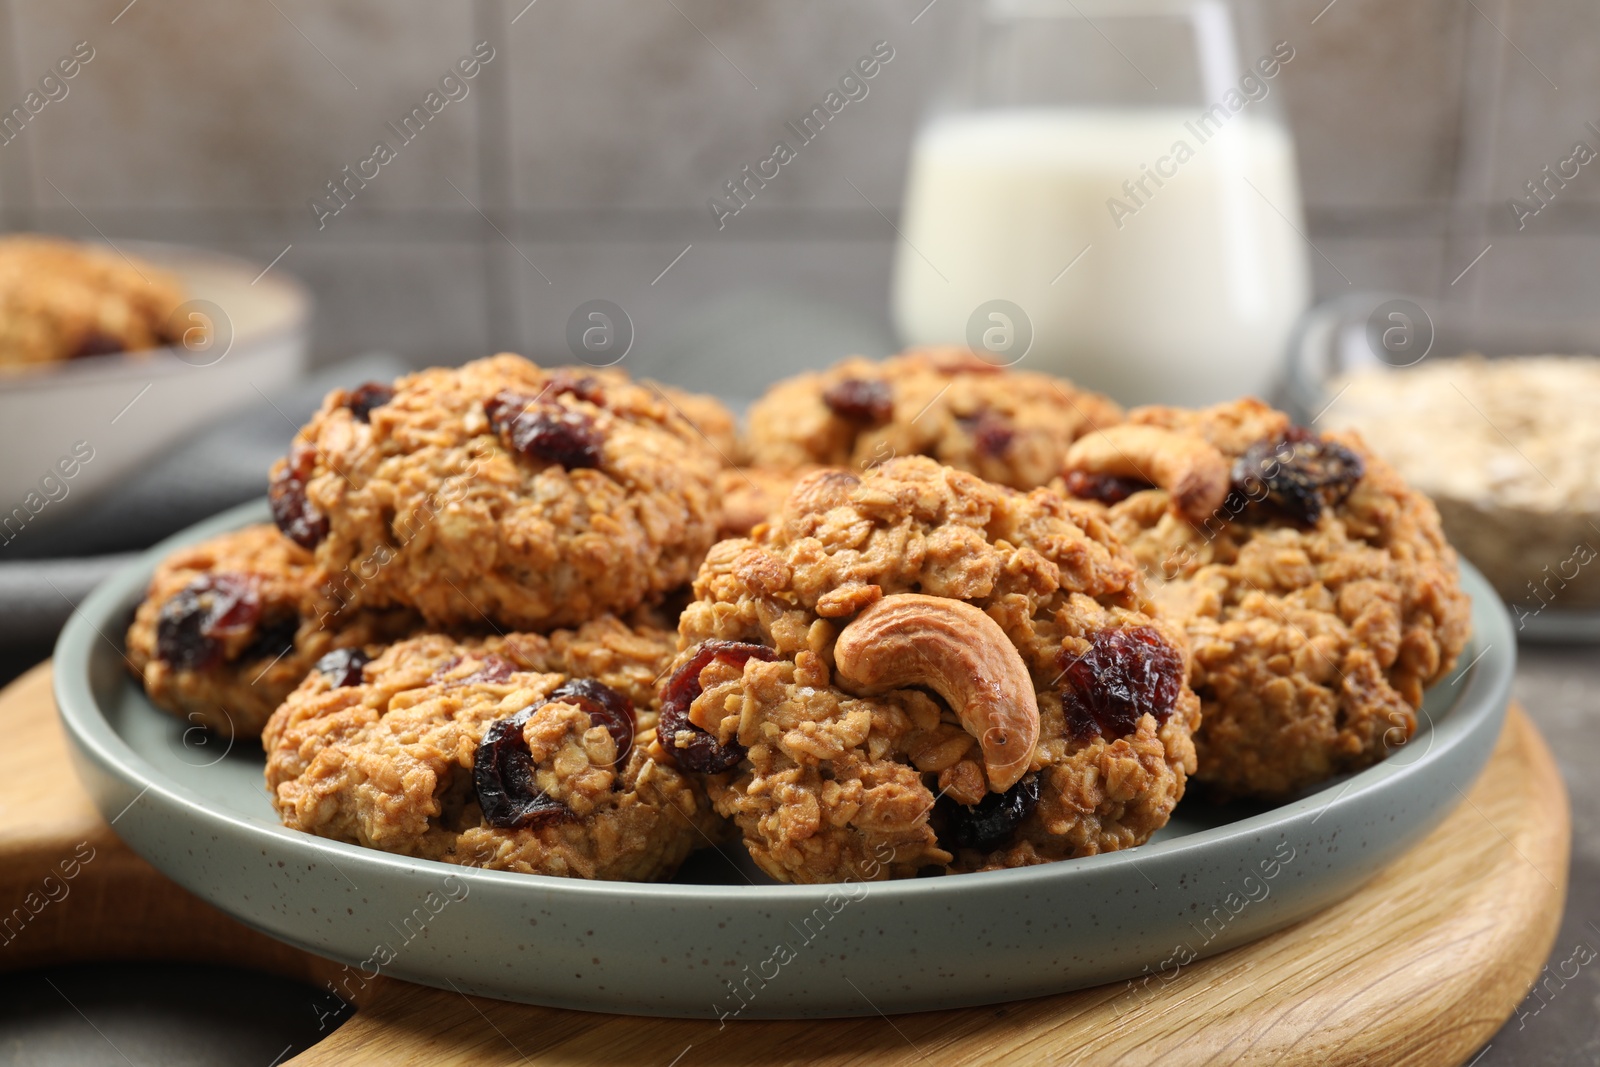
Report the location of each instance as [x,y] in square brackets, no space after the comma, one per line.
[1318,592]
[230,626]
[501,493]
[519,753]
[914,670]
[62,300]
[1010,427]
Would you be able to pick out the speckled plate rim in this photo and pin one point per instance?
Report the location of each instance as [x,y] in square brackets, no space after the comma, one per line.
[1471,725]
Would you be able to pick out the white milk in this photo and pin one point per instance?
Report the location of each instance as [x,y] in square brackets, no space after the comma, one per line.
[1190,301]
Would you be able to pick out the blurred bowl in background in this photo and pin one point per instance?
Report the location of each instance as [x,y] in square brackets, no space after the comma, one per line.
[69,430]
[1493,419]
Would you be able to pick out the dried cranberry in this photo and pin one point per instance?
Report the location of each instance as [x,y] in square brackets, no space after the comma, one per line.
[1106,488]
[861,400]
[1299,474]
[544,431]
[503,767]
[273,640]
[503,777]
[583,386]
[495,669]
[95,343]
[363,398]
[342,666]
[192,625]
[1124,674]
[704,753]
[991,433]
[990,822]
[292,510]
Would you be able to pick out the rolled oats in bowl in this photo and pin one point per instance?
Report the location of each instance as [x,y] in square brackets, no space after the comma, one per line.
[1507,449]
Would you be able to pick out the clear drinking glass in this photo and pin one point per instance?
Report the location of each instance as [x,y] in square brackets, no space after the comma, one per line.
[1108,185]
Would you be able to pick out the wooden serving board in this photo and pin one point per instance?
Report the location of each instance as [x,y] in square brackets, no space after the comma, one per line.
[1421,966]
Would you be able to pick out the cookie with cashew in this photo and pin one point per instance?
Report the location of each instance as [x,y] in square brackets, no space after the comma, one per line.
[913,670]
[516,752]
[1011,427]
[1318,593]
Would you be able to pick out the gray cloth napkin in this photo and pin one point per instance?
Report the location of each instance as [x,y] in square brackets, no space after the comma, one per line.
[44,572]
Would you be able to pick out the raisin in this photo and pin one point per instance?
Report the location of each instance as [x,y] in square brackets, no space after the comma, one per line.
[494,669]
[989,824]
[503,777]
[583,386]
[192,625]
[1299,475]
[342,666]
[545,431]
[292,510]
[363,398]
[861,400]
[95,343]
[703,753]
[1106,488]
[991,433]
[503,768]
[1124,674]
[273,640]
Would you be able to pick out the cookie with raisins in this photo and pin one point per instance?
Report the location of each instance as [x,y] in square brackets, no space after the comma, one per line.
[1318,592]
[913,670]
[516,752]
[1011,427]
[504,493]
[229,626]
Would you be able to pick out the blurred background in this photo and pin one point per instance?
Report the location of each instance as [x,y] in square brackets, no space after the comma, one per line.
[581,162]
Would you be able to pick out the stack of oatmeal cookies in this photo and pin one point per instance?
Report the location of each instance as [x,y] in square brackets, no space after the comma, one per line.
[928,616]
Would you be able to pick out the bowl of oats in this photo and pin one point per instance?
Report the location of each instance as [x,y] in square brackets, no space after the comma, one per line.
[1497,426]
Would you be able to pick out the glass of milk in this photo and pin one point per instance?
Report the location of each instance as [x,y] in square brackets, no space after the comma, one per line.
[1109,193]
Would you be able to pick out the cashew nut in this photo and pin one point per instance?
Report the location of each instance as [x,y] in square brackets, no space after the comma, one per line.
[1192,470]
[956,650]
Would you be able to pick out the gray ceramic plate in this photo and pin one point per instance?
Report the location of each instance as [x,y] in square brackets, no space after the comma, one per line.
[713,943]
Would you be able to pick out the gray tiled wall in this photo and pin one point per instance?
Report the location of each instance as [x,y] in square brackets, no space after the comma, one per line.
[580,162]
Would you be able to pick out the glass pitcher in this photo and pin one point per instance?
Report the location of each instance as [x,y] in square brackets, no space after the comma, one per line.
[1107,192]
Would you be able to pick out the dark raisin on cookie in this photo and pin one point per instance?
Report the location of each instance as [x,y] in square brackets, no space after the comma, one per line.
[503,771]
[543,430]
[503,775]
[292,510]
[1124,674]
[342,667]
[1106,488]
[702,752]
[274,638]
[861,400]
[1299,475]
[988,824]
[992,434]
[583,386]
[194,624]
[363,398]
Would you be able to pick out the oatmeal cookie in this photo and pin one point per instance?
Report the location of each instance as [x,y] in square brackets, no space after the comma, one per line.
[228,628]
[915,669]
[750,495]
[519,753]
[1319,595]
[1010,427]
[501,492]
[60,300]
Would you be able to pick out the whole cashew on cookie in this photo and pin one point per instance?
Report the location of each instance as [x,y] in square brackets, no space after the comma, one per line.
[1192,470]
[953,648]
